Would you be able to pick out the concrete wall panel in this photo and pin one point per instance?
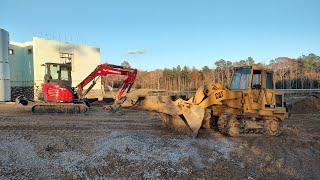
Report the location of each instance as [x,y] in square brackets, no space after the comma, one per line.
[84,59]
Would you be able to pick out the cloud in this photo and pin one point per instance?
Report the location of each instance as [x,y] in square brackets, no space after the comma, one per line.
[137,51]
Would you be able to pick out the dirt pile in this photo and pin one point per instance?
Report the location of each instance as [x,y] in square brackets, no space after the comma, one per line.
[307,105]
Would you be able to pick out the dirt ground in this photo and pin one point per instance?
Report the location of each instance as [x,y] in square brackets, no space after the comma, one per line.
[134,145]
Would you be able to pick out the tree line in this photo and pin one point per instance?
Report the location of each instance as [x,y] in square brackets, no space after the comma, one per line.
[299,73]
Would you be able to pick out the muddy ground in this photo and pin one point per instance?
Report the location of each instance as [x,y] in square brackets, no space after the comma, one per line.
[134,145]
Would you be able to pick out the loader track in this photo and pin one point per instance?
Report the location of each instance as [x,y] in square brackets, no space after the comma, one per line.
[228,125]
[231,125]
[273,127]
[223,124]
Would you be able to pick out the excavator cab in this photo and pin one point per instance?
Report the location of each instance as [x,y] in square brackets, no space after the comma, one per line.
[57,86]
[59,74]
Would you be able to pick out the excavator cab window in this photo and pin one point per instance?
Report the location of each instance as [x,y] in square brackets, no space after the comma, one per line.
[53,71]
[58,74]
[240,79]
[58,71]
[64,73]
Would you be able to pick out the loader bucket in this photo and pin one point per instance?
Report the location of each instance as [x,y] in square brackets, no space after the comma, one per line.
[189,122]
[175,123]
[178,115]
[194,116]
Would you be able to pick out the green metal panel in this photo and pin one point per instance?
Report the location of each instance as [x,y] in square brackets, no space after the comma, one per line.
[21,66]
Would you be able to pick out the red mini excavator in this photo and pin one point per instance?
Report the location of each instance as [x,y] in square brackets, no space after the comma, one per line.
[60,97]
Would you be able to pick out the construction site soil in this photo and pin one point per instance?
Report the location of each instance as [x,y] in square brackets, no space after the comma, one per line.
[306,105]
[134,145]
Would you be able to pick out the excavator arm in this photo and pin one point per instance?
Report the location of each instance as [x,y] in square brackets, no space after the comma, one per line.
[106,69]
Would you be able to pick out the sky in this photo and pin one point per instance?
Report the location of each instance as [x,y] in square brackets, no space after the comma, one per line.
[153,34]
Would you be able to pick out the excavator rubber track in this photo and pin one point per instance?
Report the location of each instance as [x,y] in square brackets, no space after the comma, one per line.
[67,108]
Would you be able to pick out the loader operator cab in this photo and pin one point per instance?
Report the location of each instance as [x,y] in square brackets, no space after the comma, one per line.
[253,77]
[59,74]
[257,83]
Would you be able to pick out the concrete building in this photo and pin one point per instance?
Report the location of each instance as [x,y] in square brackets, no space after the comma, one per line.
[26,64]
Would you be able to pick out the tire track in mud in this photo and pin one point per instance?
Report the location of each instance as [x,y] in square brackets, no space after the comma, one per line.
[98,121]
[80,127]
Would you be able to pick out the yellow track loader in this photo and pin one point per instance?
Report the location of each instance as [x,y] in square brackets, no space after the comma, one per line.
[250,104]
